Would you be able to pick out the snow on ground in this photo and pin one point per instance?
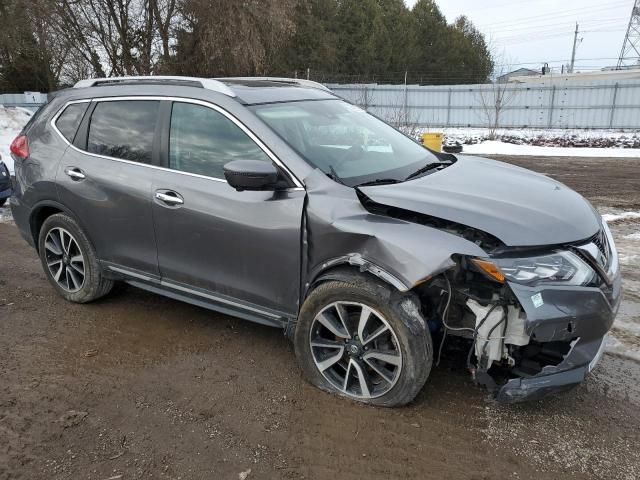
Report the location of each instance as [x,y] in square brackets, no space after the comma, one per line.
[614,217]
[552,142]
[624,339]
[11,122]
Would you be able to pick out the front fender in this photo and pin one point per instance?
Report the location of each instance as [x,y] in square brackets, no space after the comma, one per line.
[338,229]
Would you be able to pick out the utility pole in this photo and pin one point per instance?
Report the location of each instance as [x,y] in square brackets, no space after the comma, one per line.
[630,53]
[573,52]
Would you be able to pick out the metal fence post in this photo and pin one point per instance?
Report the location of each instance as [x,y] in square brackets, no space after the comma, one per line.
[613,104]
[449,107]
[551,105]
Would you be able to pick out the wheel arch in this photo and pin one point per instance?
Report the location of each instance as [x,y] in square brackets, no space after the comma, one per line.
[346,266]
[43,210]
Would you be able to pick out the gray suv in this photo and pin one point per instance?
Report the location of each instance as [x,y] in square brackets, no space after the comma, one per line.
[275,201]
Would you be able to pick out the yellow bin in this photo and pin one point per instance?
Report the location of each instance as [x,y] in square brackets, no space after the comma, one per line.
[432,141]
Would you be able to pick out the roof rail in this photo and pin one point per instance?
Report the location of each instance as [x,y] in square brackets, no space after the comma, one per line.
[295,81]
[209,84]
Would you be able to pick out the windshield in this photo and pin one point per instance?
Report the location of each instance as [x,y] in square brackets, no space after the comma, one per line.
[345,142]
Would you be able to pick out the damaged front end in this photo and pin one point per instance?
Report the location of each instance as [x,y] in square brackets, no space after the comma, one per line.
[536,320]
[533,319]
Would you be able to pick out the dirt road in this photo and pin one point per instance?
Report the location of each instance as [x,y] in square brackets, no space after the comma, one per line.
[140,386]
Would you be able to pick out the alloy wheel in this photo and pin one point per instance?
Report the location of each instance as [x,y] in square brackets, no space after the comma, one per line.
[64,259]
[355,349]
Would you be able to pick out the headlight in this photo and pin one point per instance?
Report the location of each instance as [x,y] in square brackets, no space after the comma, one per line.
[563,267]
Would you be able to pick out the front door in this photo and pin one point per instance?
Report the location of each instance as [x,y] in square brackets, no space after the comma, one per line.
[211,238]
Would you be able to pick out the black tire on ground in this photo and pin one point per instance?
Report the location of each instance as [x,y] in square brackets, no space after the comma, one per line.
[402,313]
[452,148]
[2,202]
[94,285]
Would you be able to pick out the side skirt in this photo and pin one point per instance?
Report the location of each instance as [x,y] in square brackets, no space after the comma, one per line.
[200,298]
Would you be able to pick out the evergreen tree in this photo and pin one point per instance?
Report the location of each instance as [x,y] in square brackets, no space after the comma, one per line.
[430,47]
[358,24]
[314,43]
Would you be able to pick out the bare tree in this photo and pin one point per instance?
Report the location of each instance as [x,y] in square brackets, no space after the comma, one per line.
[495,98]
[227,37]
[115,37]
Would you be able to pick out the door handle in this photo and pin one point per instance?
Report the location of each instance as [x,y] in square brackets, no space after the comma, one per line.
[75,173]
[170,198]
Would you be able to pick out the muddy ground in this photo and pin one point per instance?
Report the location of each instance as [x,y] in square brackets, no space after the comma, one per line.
[141,386]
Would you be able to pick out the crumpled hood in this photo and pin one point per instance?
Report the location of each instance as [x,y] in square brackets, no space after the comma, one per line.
[518,206]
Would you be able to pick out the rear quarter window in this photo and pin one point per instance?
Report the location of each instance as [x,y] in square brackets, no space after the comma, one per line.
[124,129]
[69,120]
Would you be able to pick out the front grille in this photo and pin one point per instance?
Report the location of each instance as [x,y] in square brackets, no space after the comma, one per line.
[600,239]
[601,242]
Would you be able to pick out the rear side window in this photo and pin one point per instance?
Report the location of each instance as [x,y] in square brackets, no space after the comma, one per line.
[202,140]
[67,123]
[124,129]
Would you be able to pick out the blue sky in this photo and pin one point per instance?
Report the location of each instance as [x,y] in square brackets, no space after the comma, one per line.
[530,32]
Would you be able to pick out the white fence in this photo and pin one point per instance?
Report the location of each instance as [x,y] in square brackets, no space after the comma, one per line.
[602,105]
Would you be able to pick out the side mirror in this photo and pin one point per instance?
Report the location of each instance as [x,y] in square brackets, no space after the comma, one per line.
[251,175]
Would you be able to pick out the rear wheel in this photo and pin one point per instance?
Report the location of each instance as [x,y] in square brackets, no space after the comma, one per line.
[69,260]
[2,202]
[362,340]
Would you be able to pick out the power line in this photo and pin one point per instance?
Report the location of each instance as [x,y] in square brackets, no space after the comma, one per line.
[553,15]
[569,23]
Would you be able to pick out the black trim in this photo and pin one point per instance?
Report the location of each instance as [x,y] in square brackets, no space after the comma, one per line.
[160,156]
[82,134]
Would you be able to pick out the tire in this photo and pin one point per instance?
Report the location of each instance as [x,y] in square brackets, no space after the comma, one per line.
[407,336]
[60,256]
[2,202]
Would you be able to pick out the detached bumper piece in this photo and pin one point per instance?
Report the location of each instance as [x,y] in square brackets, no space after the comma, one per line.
[521,389]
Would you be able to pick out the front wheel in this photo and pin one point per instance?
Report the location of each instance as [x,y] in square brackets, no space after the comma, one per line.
[365,341]
[2,202]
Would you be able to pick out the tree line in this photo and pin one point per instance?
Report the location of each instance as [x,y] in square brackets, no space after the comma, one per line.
[49,44]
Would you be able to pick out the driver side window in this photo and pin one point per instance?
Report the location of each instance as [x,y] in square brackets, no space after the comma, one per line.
[202,141]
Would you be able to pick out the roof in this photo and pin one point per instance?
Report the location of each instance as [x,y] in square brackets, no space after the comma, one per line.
[259,90]
[520,71]
[246,90]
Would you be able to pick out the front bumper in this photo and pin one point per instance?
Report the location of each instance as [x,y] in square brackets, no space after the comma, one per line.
[521,389]
[580,315]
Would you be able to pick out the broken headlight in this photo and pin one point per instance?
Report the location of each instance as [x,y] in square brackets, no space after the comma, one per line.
[562,267]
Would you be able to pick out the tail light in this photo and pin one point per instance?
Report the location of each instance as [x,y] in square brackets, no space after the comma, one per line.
[20,146]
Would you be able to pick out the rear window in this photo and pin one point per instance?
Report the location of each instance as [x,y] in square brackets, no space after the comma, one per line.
[69,120]
[124,129]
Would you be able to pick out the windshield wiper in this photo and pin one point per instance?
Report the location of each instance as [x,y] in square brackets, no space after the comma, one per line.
[333,175]
[379,181]
[427,168]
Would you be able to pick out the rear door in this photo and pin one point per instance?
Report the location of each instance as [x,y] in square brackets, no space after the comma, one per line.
[212,239]
[104,179]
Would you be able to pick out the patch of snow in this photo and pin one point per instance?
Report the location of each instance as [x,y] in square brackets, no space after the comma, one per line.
[549,142]
[11,122]
[633,236]
[623,349]
[631,260]
[613,217]
[5,214]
